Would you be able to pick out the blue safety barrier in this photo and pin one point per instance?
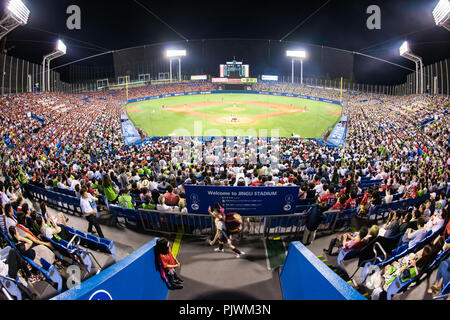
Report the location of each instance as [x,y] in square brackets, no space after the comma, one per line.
[138,271]
[305,277]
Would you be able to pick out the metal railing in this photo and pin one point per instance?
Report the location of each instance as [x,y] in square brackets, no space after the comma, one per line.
[203,225]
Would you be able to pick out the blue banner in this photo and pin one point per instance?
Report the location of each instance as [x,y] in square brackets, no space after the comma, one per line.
[247,201]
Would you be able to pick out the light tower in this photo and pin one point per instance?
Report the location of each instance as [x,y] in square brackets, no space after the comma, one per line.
[297,55]
[175,54]
[406,53]
[60,50]
[16,14]
[441,14]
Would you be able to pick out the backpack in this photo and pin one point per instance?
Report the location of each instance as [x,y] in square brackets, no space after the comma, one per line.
[233,222]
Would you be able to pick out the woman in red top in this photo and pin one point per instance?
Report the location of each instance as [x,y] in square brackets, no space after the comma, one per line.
[168,263]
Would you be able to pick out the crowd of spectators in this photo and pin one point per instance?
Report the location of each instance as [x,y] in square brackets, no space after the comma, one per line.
[75,142]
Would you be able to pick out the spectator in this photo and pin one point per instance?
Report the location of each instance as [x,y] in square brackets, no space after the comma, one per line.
[348,241]
[171,199]
[166,260]
[89,209]
[125,200]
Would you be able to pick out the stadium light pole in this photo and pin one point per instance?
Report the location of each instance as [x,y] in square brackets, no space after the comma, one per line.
[441,14]
[406,53]
[16,14]
[297,55]
[60,50]
[175,54]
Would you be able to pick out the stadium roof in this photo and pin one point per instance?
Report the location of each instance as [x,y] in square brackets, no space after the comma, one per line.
[110,25]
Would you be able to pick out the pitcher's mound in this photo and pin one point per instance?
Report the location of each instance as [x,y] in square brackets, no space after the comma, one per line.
[238,121]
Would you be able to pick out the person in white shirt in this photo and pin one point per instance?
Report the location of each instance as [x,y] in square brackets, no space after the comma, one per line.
[89,210]
[388,198]
[73,184]
[3,197]
[162,205]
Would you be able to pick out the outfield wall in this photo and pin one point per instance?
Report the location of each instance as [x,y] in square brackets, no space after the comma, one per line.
[305,277]
[235,92]
[133,278]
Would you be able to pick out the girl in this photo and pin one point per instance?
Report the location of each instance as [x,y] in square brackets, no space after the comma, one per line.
[168,263]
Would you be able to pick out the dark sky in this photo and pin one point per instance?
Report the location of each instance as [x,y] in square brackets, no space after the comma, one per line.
[111,24]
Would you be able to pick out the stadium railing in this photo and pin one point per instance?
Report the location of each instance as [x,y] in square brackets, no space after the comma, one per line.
[62,201]
[197,225]
[378,212]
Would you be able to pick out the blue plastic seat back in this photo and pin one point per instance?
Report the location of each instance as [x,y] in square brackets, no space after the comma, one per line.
[11,287]
[93,238]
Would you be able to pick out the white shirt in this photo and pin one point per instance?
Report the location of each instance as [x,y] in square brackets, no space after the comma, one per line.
[4,198]
[86,205]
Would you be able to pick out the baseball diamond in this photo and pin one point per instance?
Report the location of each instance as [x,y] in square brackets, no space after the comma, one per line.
[251,114]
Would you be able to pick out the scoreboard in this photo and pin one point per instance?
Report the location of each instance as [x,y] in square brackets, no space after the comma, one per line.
[234,70]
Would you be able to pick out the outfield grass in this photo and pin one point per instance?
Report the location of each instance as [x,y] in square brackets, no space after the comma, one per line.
[155,121]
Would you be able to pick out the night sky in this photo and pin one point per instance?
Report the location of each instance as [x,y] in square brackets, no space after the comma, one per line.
[111,25]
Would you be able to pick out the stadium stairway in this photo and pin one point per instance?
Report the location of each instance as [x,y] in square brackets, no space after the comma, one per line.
[209,275]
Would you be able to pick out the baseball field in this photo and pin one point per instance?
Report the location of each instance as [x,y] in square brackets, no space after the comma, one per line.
[234,115]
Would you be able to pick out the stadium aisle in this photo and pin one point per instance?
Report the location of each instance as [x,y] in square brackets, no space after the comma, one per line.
[211,275]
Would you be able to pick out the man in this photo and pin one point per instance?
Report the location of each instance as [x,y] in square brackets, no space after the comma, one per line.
[351,202]
[329,198]
[123,178]
[412,237]
[171,198]
[392,226]
[348,242]
[3,197]
[89,209]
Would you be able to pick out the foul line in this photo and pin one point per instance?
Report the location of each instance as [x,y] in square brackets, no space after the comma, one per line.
[177,242]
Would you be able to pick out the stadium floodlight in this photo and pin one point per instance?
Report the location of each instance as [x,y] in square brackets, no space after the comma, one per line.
[175,54]
[297,55]
[16,14]
[404,48]
[61,47]
[406,53]
[441,14]
[60,50]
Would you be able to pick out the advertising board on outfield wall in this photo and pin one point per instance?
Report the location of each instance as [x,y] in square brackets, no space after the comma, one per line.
[269,78]
[199,78]
[228,80]
[241,92]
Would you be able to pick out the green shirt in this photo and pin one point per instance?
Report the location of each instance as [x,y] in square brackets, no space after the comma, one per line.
[110,194]
[125,201]
[149,206]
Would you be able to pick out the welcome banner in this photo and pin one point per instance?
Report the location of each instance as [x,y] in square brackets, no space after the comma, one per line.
[247,201]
